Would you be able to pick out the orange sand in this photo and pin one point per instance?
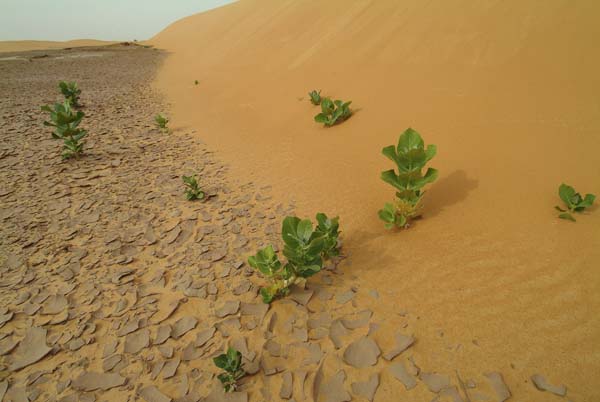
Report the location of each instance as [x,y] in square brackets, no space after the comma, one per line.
[508,90]
[27,45]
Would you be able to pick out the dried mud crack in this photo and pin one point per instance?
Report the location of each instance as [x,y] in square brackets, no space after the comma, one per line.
[113,287]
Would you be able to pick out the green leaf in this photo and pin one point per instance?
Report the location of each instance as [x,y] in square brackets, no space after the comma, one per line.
[430,152]
[430,176]
[234,357]
[386,215]
[567,216]
[315,247]
[390,153]
[267,295]
[322,118]
[588,201]
[221,361]
[389,176]
[409,140]
[307,271]
[401,221]
[304,230]
[565,193]
[289,232]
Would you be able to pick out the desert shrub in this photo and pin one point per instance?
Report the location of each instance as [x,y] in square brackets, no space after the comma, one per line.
[410,156]
[333,112]
[161,122]
[574,202]
[66,127]
[305,249]
[315,97]
[232,366]
[71,92]
[192,190]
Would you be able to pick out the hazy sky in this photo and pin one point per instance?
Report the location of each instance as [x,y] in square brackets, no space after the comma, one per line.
[93,19]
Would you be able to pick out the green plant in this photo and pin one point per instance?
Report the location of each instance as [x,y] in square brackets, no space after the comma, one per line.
[410,157]
[71,92]
[66,123]
[333,112]
[574,201]
[192,191]
[231,364]
[329,230]
[161,122]
[305,249]
[315,97]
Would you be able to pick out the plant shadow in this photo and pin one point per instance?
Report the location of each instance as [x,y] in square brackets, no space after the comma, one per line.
[448,191]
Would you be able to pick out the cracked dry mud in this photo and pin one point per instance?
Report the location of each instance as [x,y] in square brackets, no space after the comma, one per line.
[113,287]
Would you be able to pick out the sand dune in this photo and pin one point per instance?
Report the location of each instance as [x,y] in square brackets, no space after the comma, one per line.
[508,90]
[27,45]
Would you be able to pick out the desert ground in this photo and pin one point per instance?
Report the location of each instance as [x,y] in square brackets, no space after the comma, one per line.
[114,287]
[30,45]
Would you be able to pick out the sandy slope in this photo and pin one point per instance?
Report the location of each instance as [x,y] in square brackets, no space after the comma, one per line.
[26,45]
[508,90]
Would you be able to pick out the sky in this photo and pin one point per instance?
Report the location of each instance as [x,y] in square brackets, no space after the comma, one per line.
[119,20]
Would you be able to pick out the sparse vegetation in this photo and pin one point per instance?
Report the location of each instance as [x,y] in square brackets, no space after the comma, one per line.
[305,250]
[574,202]
[66,127]
[161,122]
[333,112]
[233,369]
[192,190]
[71,92]
[410,157]
[315,97]
[195,82]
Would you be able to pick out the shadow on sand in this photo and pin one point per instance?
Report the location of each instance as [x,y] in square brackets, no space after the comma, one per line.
[448,191]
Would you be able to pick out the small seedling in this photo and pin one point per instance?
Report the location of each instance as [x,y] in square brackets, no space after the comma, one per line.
[333,112]
[231,364]
[192,191]
[161,122]
[410,157]
[315,97]
[66,123]
[71,92]
[305,250]
[574,201]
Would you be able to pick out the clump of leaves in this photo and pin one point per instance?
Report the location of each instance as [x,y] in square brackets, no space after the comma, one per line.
[305,249]
[71,92]
[232,366]
[333,112]
[192,190]
[574,201]
[161,122]
[66,127]
[410,156]
[315,97]
[329,230]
